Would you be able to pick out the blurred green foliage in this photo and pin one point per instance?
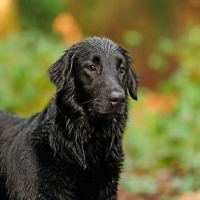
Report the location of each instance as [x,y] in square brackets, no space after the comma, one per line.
[157,144]
[132,38]
[24,85]
[156,141]
[39,14]
[153,141]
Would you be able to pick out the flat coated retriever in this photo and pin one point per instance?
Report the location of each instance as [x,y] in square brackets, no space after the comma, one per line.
[73,149]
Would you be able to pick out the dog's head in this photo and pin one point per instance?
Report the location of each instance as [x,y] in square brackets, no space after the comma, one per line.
[95,75]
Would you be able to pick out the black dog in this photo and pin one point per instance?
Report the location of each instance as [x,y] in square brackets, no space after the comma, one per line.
[73,149]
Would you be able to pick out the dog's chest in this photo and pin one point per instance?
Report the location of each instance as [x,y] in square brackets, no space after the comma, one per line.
[75,182]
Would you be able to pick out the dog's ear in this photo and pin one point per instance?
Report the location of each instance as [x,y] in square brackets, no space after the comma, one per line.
[132,83]
[60,71]
[132,76]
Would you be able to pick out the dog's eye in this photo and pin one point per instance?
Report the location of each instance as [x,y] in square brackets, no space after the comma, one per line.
[121,69]
[91,68]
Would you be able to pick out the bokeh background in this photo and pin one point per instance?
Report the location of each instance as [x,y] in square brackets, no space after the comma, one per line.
[162,139]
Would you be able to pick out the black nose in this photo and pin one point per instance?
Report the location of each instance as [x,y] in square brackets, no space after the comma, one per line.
[116,99]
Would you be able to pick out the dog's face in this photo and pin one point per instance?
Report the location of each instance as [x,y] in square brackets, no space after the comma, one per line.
[99,73]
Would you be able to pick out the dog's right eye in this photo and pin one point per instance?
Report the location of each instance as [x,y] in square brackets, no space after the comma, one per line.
[91,68]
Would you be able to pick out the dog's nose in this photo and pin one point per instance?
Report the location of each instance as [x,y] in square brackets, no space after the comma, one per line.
[116,99]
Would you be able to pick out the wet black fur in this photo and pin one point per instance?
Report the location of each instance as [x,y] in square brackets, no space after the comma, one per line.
[73,149]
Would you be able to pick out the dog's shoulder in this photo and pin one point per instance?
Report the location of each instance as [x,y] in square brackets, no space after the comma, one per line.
[9,119]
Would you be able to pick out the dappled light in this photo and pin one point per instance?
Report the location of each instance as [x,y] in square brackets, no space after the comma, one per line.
[66,26]
[9,17]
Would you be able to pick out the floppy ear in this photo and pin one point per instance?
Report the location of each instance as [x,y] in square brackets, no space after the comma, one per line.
[132,83]
[60,71]
[132,76]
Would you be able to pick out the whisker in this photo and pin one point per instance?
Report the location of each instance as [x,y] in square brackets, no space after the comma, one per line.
[88,101]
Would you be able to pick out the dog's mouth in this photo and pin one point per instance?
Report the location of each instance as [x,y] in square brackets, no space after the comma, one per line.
[106,112]
[109,115]
[105,115]
[104,108]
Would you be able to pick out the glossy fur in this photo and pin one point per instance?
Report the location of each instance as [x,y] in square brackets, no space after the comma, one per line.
[73,149]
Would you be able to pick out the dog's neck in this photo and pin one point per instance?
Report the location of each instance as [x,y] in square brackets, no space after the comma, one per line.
[73,143]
